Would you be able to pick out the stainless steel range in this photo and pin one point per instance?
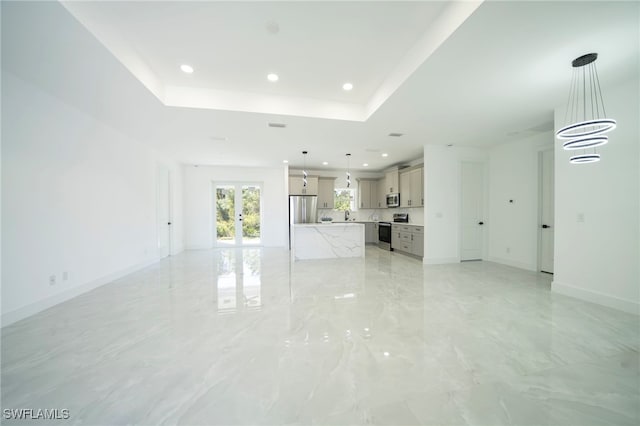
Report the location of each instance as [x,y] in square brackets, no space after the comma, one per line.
[401,217]
[384,235]
[384,230]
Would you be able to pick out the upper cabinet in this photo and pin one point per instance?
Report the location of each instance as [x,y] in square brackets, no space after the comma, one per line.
[367,194]
[391,182]
[296,186]
[411,188]
[381,200]
[326,193]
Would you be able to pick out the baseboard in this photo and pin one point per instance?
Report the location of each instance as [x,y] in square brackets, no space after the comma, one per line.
[16,315]
[440,260]
[596,297]
[515,264]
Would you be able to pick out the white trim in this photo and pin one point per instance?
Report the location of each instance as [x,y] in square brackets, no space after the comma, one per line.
[440,260]
[596,297]
[238,226]
[39,306]
[515,264]
[485,207]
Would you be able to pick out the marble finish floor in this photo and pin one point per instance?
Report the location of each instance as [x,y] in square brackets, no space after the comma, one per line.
[234,336]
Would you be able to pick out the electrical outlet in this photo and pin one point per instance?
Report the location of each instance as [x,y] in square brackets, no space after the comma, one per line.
[580,217]
[508,249]
[65,275]
[52,280]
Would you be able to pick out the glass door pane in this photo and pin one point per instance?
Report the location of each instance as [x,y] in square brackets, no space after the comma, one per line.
[250,214]
[225,215]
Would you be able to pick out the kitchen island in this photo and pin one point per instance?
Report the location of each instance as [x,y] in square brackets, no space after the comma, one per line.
[327,241]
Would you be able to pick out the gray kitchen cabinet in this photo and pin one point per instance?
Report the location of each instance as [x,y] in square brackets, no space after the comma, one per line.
[411,188]
[391,182]
[417,187]
[381,200]
[405,189]
[367,194]
[370,232]
[408,239]
[418,243]
[296,185]
[326,192]
[395,237]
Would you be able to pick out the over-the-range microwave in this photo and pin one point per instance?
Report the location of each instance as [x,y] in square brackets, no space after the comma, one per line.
[393,200]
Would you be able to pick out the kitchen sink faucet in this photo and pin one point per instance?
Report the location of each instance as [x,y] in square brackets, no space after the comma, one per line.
[346,215]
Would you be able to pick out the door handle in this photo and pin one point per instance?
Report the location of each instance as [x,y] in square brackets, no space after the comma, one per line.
[480,223]
[169,223]
[546,226]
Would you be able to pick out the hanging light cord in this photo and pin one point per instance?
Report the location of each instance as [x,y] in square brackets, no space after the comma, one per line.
[585,130]
[348,171]
[304,169]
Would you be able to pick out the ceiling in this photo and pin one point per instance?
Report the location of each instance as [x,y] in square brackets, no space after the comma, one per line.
[462,73]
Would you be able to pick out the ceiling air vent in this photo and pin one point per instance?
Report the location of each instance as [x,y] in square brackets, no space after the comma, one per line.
[395,135]
[279,125]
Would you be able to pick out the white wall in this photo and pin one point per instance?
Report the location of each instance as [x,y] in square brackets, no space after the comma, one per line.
[442,200]
[199,211]
[77,197]
[513,175]
[598,259]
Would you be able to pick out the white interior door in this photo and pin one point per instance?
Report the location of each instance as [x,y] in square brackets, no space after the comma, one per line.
[164,212]
[471,211]
[546,211]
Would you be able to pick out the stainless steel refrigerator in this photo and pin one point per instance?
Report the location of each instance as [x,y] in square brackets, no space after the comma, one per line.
[302,209]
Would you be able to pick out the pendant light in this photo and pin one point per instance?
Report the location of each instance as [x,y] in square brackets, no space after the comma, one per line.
[304,169]
[348,172]
[585,115]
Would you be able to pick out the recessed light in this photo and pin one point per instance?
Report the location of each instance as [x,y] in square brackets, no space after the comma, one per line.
[324,163]
[218,138]
[365,165]
[272,77]
[285,161]
[186,68]
[278,125]
[384,154]
[347,86]
[395,135]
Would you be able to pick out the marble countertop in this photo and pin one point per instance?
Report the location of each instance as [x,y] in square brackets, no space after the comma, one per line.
[302,225]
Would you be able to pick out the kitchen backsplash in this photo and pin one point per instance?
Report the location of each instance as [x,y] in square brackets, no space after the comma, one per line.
[416,214]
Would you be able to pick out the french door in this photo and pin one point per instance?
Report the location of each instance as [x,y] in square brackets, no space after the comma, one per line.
[237,214]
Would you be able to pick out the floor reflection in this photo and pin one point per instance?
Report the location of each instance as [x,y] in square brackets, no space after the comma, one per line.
[238,281]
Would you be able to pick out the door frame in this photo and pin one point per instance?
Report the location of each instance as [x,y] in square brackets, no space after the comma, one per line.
[541,153]
[160,168]
[238,226]
[485,208]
